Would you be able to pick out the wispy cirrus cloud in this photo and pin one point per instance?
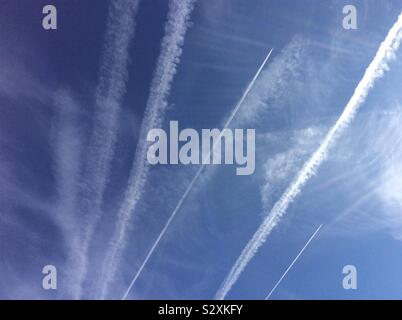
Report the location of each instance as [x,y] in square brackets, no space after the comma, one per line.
[282,165]
[67,147]
[272,83]
[376,205]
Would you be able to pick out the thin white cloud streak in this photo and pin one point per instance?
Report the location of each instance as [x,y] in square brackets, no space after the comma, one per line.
[293,262]
[67,153]
[168,60]
[67,145]
[195,178]
[109,93]
[375,70]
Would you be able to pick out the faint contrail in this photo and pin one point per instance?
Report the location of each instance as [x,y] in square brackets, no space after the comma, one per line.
[67,148]
[195,178]
[171,50]
[293,262]
[108,96]
[375,70]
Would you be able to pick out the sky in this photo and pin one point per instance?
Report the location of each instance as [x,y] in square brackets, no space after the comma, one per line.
[77,193]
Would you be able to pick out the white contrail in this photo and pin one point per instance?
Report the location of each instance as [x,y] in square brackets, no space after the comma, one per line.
[195,178]
[111,87]
[293,262]
[171,50]
[375,70]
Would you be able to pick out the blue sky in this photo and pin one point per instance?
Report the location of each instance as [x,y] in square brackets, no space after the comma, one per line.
[76,194]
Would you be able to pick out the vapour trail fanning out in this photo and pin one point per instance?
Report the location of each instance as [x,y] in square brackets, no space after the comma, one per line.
[168,60]
[110,90]
[375,70]
[197,175]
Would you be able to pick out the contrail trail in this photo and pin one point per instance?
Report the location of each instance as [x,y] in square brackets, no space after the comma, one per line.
[67,148]
[171,50]
[108,96]
[293,262]
[195,178]
[375,70]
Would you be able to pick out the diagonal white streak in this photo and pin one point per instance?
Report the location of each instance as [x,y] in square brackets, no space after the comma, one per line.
[168,60]
[375,70]
[195,178]
[293,262]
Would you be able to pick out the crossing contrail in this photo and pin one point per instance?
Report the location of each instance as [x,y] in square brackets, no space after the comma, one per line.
[375,70]
[195,178]
[169,58]
[108,96]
